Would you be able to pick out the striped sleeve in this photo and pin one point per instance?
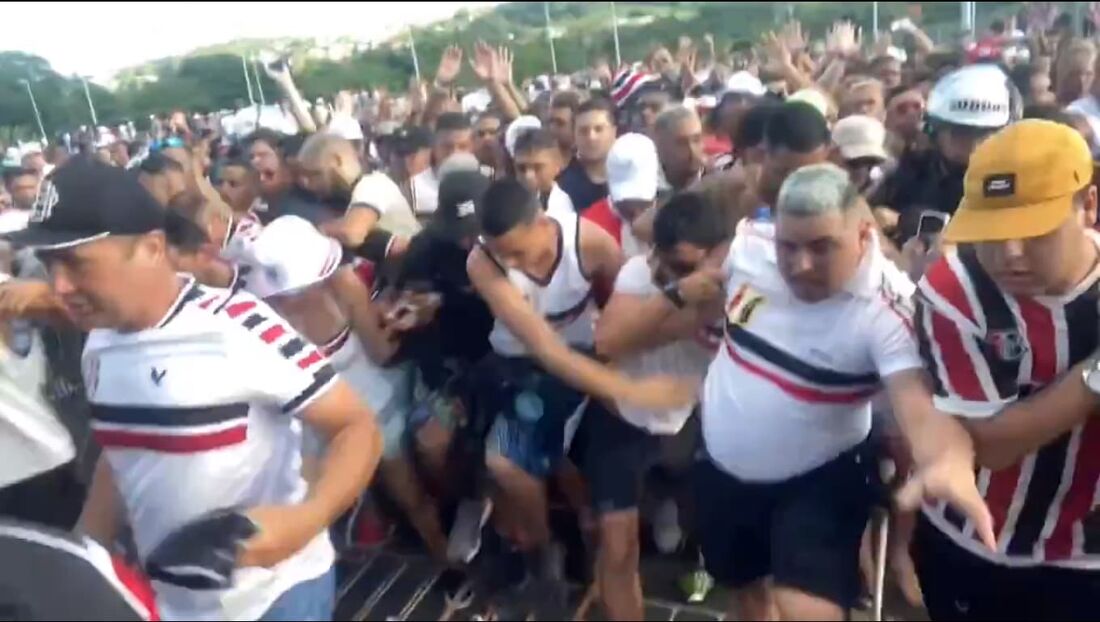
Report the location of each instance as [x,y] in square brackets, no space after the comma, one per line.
[966,378]
[283,367]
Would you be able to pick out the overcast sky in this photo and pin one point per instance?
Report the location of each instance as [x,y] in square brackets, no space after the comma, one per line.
[91,39]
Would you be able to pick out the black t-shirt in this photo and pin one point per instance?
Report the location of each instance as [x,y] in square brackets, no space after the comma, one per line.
[298,202]
[581,190]
[459,336]
[923,180]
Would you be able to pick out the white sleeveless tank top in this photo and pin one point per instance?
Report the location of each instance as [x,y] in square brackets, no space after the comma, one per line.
[565,300]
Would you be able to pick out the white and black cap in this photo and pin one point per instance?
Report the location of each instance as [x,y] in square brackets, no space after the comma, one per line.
[86,200]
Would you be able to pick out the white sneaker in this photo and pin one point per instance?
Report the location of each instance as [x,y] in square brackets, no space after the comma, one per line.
[666,527]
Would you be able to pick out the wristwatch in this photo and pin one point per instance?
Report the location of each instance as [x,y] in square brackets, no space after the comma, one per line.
[672,292]
[1091,374]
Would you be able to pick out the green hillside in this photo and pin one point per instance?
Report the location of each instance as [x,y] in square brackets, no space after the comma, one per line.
[210,78]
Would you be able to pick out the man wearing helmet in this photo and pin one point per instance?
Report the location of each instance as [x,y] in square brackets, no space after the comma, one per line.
[964,107]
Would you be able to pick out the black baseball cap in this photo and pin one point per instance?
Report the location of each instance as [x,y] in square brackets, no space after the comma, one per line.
[409,140]
[459,192]
[85,200]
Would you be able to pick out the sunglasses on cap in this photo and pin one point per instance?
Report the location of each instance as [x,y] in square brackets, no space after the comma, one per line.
[172,142]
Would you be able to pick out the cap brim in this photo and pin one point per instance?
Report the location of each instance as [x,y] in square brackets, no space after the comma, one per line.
[858,152]
[1010,223]
[38,238]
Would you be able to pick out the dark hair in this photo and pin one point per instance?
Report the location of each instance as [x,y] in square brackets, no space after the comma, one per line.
[157,163]
[598,104]
[505,205]
[1021,76]
[183,233]
[451,122]
[535,140]
[750,130]
[798,127]
[997,26]
[879,61]
[566,99]
[689,217]
[490,114]
[291,145]
[10,174]
[271,138]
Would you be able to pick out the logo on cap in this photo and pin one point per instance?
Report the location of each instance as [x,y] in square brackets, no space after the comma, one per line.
[44,201]
[465,209]
[999,185]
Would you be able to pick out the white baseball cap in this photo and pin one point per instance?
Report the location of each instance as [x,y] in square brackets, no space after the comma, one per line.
[632,169]
[478,101]
[744,83]
[288,256]
[345,127]
[523,124]
[973,96]
[812,97]
[860,136]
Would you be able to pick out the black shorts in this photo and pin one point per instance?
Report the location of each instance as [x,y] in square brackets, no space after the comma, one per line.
[617,456]
[803,532]
[54,498]
[959,585]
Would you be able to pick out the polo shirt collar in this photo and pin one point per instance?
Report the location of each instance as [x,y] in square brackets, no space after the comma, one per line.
[868,278]
[188,292]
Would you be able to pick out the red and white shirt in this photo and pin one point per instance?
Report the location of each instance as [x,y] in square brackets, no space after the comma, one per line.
[985,349]
[197,414]
[791,387]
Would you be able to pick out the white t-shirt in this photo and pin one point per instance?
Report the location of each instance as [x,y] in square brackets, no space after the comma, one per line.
[791,387]
[425,192]
[381,193]
[197,414]
[681,358]
[1090,108]
[32,439]
[558,203]
[14,220]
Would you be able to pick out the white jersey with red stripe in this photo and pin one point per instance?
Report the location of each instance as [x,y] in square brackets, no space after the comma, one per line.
[986,349]
[564,299]
[197,414]
[243,232]
[790,388]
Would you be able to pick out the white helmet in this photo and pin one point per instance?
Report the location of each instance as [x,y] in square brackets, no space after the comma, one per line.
[974,96]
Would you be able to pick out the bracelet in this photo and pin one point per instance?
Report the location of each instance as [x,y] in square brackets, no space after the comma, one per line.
[672,292]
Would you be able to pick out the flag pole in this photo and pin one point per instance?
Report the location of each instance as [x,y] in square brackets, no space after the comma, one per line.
[247,81]
[259,85]
[416,59]
[550,37]
[91,106]
[615,33]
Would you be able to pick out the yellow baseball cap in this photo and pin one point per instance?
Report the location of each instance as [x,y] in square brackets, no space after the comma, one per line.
[1020,183]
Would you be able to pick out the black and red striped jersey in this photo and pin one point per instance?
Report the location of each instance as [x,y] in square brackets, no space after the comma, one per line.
[985,349]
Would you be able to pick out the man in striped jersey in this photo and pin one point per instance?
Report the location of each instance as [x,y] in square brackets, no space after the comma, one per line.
[1008,325]
[193,393]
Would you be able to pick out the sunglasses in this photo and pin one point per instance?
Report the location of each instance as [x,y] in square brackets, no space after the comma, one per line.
[172,142]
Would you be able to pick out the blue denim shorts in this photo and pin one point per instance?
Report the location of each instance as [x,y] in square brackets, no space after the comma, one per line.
[310,600]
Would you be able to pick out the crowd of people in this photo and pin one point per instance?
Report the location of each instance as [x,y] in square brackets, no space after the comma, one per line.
[749,304]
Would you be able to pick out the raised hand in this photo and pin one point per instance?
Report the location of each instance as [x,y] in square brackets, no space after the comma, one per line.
[482,62]
[778,55]
[793,37]
[502,65]
[843,40]
[450,63]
